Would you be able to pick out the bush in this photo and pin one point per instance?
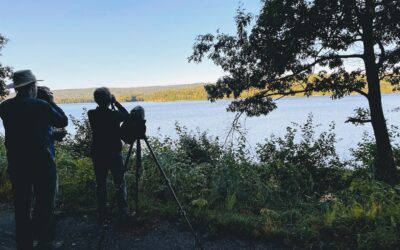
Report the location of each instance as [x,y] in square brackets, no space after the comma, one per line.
[304,168]
[76,182]
[365,153]
[365,217]
[5,184]
[79,142]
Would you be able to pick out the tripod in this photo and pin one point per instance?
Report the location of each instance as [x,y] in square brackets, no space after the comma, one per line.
[138,168]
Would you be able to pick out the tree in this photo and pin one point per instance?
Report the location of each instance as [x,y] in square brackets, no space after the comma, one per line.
[5,72]
[304,46]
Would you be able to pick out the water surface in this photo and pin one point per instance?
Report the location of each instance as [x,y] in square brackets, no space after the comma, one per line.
[212,117]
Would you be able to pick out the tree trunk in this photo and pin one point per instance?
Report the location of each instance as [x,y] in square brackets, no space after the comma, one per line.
[384,166]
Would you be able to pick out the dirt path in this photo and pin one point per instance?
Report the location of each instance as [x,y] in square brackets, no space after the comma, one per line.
[83,233]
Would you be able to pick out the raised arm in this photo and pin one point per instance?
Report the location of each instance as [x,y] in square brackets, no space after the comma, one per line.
[123,114]
[121,108]
[56,116]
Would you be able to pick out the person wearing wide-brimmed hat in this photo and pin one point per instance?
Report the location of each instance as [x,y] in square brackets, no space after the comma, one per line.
[30,164]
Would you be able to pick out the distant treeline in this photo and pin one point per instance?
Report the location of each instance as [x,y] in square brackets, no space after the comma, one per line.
[150,94]
[188,92]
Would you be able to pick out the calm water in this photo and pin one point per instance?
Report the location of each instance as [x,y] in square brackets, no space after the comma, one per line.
[161,117]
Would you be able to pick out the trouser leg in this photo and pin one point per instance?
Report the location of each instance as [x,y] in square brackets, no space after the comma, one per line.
[34,213]
[101,170]
[119,182]
[45,191]
[22,190]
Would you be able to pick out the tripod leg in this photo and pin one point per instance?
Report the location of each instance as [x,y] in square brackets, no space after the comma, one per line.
[138,168]
[173,193]
[125,167]
[128,156]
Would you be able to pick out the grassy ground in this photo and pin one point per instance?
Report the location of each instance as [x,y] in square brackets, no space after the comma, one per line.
[80,231]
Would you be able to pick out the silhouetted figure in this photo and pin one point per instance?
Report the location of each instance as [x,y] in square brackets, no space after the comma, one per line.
[30,164]
[106,151]
[56,134]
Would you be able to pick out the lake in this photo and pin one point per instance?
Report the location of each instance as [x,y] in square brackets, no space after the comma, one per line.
[212,117]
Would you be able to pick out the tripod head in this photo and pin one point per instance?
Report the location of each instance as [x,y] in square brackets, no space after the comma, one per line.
[138,113]
[135,127]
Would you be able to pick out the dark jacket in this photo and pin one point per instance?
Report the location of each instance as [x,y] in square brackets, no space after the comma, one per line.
[105,124]
[27,122]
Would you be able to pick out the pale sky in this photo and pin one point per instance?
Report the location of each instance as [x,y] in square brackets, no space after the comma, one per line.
[121,43]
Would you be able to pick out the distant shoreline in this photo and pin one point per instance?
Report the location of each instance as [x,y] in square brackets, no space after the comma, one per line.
[169,93]
[355,94]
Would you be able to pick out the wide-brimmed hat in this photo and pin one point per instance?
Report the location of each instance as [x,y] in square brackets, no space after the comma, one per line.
[22,78]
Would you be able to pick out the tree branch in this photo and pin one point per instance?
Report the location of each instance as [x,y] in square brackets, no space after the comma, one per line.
[382,57]
[360,92]
[387,75]
[323,58]
[357,121]
[320,60]
[283,93]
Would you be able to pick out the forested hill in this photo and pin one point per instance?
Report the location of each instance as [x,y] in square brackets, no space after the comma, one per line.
[154,93]
[186,92]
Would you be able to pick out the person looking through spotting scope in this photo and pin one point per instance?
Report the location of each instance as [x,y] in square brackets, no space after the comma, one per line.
[106,151]
[31,166]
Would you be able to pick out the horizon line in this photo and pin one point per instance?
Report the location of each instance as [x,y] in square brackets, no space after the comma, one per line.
[142,86]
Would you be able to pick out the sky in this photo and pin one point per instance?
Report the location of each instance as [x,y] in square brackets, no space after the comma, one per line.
[119,43]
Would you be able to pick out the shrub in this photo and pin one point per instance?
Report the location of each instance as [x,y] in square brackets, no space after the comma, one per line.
[79,142]
[5,185]
[303,168]
[365,152]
